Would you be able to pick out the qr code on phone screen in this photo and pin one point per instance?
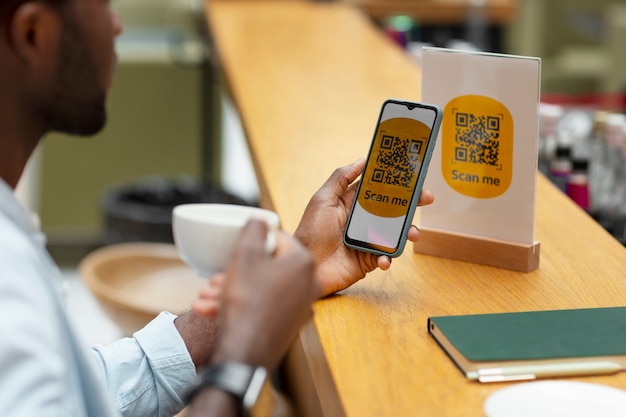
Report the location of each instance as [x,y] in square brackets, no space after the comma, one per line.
[398,160]
[477,138]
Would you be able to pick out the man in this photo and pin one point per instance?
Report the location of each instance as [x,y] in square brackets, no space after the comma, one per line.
[56,64]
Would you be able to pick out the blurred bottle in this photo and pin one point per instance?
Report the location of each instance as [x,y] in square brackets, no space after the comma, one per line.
[400,28]
[598,163]
[614,136]
[549,117]
[477,25]
[618,226]
[610,194]
[573,132]
[577,125]
[578,183]
[561,166]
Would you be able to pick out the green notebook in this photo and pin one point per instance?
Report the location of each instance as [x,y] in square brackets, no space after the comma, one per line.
[536,344]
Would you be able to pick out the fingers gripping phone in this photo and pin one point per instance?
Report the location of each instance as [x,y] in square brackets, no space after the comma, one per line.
[392,180]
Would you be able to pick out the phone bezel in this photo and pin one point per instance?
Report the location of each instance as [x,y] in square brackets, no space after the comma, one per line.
[365,246]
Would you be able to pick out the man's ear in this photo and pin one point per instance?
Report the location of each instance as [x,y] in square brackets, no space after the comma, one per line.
[34,32]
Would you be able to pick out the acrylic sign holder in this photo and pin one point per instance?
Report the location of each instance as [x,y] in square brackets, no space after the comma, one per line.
[479,250]
[484,166]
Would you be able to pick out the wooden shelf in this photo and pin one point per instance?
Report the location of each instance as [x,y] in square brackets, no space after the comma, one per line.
[497,12]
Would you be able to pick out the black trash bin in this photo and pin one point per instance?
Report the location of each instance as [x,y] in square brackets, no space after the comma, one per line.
[142,212]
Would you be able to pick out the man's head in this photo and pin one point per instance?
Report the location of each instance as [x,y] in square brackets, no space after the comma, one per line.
[62,52]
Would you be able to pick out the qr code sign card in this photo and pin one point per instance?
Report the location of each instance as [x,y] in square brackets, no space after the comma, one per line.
[483,169]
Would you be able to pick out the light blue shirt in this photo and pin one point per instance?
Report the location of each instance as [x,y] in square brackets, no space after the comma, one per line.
[45,370]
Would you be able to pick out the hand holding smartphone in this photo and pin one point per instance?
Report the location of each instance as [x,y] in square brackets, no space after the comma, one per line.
[392,180]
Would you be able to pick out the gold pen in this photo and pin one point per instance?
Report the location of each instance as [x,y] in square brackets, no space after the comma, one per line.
[529,372]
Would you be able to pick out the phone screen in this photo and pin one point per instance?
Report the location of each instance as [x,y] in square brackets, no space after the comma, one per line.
[395,169]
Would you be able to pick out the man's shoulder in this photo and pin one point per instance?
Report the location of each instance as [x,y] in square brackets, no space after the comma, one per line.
[19,248]
[13,235]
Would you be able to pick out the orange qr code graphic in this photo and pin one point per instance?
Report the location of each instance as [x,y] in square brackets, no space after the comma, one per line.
[394,165]
[477,146]
[477,138]
[398,160]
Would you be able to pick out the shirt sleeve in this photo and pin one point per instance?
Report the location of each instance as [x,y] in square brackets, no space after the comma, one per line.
[149,373]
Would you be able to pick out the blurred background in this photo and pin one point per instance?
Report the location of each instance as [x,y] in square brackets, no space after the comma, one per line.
[173,135]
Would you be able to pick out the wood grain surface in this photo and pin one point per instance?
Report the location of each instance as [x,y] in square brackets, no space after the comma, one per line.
[308,79]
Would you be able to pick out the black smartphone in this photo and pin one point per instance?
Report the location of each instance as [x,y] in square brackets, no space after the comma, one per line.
[392,180]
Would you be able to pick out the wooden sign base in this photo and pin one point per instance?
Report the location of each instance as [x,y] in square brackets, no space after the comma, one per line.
[514,256]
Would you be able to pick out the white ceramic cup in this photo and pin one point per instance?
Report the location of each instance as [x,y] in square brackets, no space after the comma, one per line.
[205,234]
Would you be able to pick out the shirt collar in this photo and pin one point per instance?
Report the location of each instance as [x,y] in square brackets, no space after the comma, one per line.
[16,212]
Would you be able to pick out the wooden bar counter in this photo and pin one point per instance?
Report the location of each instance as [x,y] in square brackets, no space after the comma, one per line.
[308,79]
[439,11]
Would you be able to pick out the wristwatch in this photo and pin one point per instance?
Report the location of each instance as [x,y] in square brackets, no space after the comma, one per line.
[245,382]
